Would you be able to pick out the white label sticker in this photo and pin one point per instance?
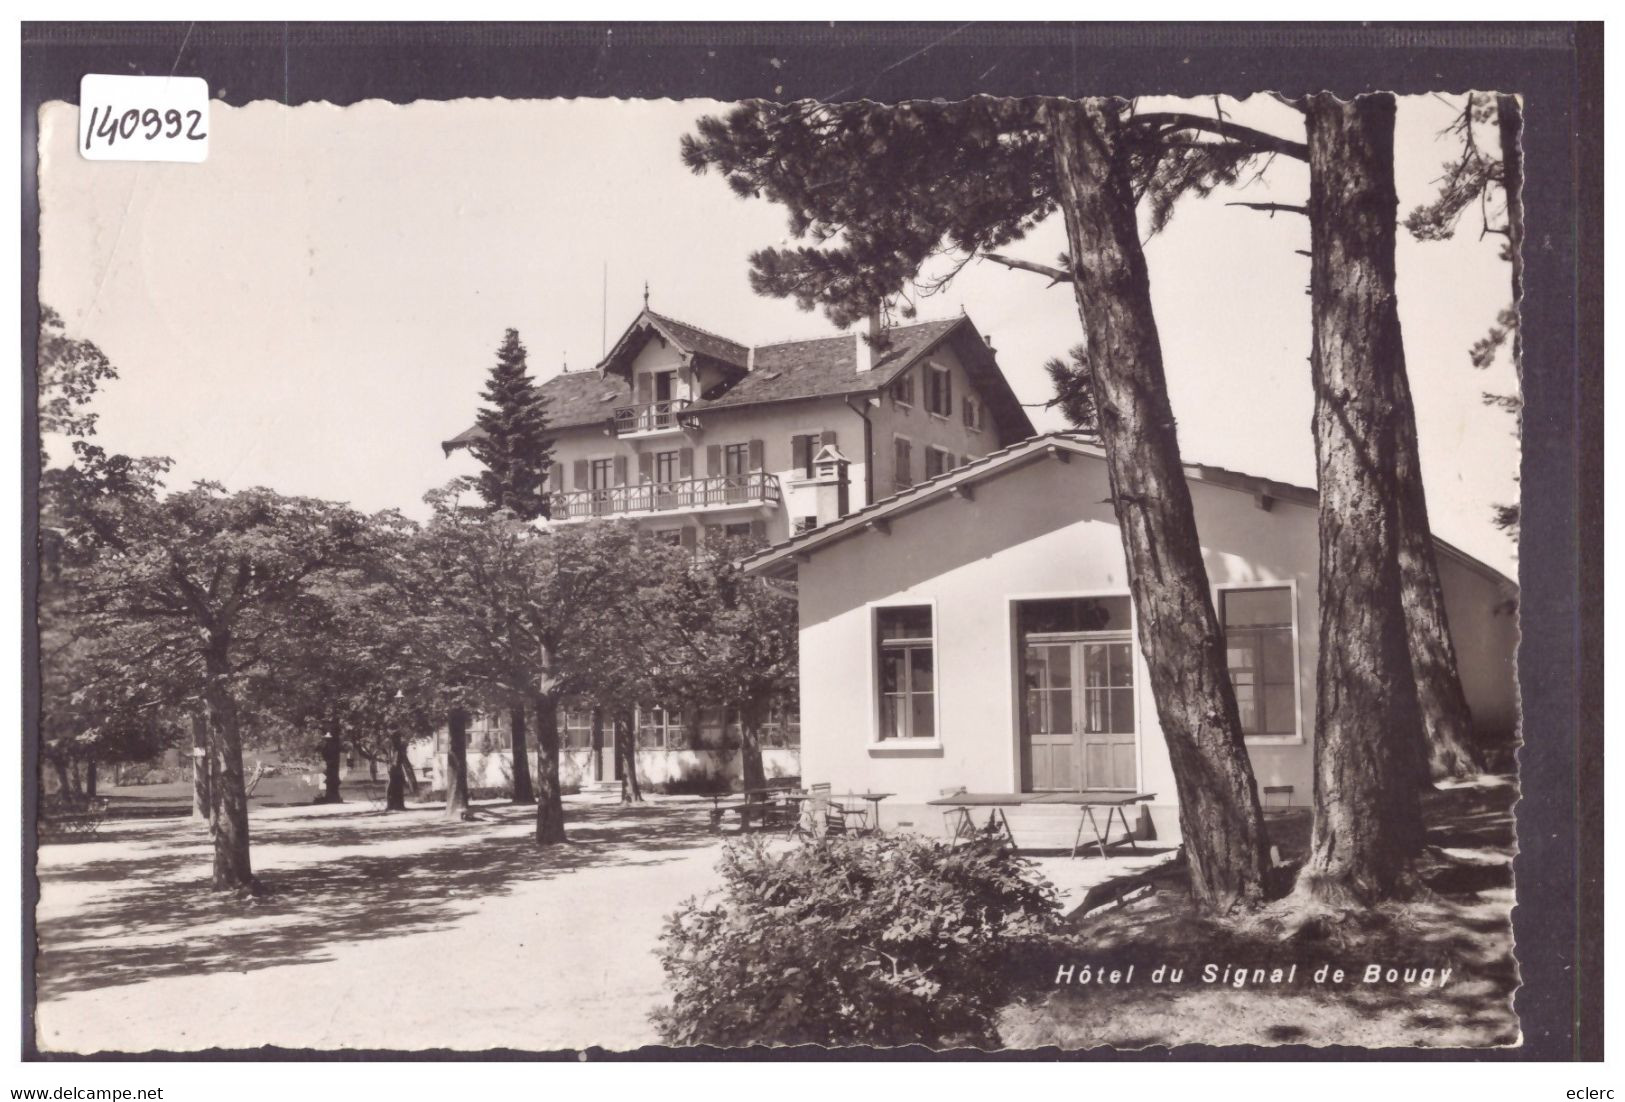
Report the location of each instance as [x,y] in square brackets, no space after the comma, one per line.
[143,118]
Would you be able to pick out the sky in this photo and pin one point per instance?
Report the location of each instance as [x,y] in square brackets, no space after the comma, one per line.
[316,306]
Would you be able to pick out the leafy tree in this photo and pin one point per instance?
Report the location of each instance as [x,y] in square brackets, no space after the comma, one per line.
[881,190]
[510,600]
[205,575]
[733,641]
[625,649]
[71,371]
[513,445]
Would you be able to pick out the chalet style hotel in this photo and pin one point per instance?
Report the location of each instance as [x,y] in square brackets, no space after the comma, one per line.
[693,436]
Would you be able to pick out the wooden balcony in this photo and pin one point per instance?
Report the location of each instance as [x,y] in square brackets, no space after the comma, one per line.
[652,417]
[685,495]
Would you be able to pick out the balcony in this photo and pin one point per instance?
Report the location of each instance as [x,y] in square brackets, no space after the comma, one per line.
[716,493]
[652,418]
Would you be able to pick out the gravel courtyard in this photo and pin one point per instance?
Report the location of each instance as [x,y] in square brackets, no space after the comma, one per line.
[397,931]
[379,931]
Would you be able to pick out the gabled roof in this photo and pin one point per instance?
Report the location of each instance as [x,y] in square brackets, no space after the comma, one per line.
[780,559]
[826,367]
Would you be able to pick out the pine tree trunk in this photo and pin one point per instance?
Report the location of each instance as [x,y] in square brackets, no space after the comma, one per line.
[549,791]
[1367,807]
[64,786]
[200,768]
[1447,721]
[232,868]
[90,778]
[523,791]
[395,794]
[457,765]
[626,755]
[1220,819]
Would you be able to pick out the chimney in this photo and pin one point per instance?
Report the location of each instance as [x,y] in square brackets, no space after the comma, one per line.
[988,337]
[830,480]
[869,343]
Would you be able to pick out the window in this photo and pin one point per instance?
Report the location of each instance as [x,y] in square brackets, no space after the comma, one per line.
[1262,659]
[603,474]
[938,462]
[903,462]
[666,467]
[939,391]
[907,672]
[781,728]
[804,524]
[902,391]
[672,536]
[575,729]
[488,733]
[661,729]
[803,446]
[739,531]
[972,410]
[736,459]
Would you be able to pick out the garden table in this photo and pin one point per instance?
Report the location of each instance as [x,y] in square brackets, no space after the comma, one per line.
[963,804]
[1086,802]
[871,817]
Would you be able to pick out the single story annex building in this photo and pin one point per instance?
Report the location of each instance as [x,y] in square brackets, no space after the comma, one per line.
[976,630]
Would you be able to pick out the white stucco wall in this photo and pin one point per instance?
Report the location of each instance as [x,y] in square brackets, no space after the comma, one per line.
[1043,529]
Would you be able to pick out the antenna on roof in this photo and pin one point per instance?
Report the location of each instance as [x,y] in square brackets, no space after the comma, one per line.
[646,294]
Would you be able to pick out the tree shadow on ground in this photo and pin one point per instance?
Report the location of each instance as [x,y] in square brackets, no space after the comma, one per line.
[165,925]
[1462,922]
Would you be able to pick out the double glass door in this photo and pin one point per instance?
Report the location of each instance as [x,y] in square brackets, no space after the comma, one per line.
[1078,724]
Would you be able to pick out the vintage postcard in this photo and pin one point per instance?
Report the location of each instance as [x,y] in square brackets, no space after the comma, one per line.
[993,573]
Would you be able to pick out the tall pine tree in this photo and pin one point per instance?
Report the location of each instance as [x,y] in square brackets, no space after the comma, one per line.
[514,447]
[515,451]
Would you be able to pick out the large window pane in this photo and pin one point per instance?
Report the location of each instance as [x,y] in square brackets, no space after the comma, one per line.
[1122,664]
[1279,710]
[922,678]
[924,716]
[1122,707]
[1074,614]
[1246,607]
[913,622]
[1277,645]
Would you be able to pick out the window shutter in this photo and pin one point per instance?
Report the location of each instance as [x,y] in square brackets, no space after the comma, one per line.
[755,453]
[686,535]
[580,474]
[646,384]
[646,467]
[947,394]
[801,452]
[713,459]
[828,437]
[758,530]
[620,470]
[685,465]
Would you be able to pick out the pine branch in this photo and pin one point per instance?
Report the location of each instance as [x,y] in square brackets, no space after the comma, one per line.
[1274,208]
[1055,275]
[1164,123]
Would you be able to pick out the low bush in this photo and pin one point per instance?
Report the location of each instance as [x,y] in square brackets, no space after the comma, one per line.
[877,941]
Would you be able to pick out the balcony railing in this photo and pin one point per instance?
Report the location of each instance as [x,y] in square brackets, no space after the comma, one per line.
[682,495]
[653,417]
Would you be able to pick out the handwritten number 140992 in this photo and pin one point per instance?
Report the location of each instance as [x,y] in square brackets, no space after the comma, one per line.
[149,123]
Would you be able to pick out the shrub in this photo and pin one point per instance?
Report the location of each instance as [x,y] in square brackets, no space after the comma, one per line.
[879,940]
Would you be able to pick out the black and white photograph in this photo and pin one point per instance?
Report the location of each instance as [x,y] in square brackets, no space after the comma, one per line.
[990,573]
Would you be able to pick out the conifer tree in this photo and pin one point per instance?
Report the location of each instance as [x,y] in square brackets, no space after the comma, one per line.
[513,446]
